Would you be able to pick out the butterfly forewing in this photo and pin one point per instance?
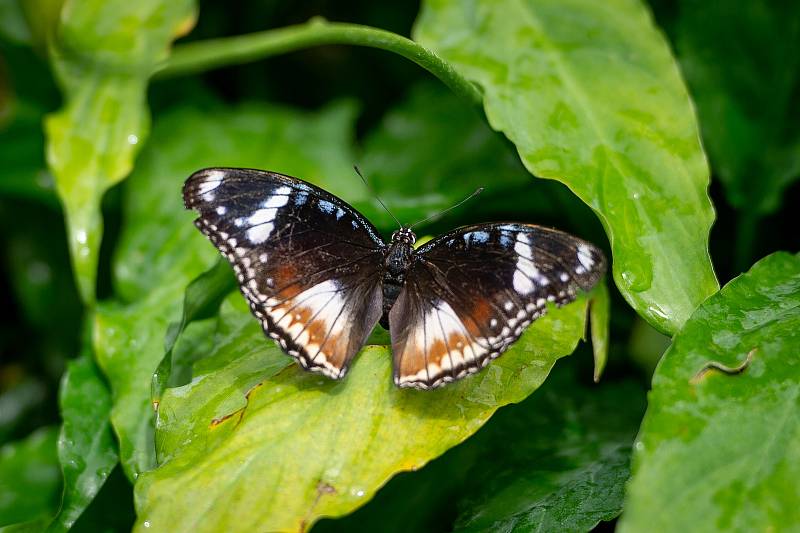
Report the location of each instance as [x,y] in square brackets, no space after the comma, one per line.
[471,293]
[308,264]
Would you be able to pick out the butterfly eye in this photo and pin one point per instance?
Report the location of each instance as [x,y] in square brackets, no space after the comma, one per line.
[405,235]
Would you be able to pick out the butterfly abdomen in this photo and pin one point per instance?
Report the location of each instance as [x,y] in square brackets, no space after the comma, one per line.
[399,258]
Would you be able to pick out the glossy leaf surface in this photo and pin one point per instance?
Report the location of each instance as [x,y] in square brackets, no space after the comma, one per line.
[590,95]
[558,461]
[220,436]
[87,450]
[719,447]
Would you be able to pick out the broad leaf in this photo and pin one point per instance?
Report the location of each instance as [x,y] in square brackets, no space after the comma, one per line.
[31,479]
[558,461]
[103,53]
[251,444]
[86,447]
[719,448]
[745,82]
[202,299]
[161,251]
[590,95]
[112,507]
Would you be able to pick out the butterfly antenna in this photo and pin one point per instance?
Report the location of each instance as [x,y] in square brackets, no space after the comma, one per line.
[360,175]
[440,213]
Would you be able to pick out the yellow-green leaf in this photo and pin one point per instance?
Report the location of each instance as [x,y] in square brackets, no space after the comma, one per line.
[253,444]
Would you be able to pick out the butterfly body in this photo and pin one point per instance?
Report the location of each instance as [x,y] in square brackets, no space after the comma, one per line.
[319,277]
[399,258]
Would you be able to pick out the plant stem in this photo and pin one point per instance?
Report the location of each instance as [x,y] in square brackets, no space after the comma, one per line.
[204,55]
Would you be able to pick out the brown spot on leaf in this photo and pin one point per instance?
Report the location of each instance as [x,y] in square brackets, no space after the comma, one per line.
[219,420]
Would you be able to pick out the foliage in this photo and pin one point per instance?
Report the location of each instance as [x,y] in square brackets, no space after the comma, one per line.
[614,125]
[719,440]
[176,414]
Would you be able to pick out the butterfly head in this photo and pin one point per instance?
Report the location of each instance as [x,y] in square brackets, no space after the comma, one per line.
[405,236]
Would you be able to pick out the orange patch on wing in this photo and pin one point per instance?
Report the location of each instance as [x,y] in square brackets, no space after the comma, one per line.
[478,318]
[439,353]
[334,350]
[286,281]
[317,330]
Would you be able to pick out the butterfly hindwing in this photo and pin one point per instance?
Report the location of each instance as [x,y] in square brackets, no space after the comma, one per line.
[471,293]
[308,264]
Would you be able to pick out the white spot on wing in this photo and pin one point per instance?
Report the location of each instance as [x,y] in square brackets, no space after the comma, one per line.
[210,181]
[527,272]
[523,247]
[260,233]
[278,199]
[585,256]
[522,283]
[262,216]
[324,303]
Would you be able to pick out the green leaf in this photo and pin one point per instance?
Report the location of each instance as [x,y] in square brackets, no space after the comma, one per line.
[599,322]
[31,478]
[719,448]
[250,443]
[590,95]
[557,462]
[87,450]
[112,507]
[103,53]
[745,83]
[160,250]
[420,500]
[201,300]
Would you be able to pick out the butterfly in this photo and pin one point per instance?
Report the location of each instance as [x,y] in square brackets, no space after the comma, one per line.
[319,277]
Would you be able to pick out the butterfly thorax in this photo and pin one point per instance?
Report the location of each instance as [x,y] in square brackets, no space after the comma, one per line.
[399,258]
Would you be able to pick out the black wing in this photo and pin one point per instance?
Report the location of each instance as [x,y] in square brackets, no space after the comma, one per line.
[307,262]
[471,293]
